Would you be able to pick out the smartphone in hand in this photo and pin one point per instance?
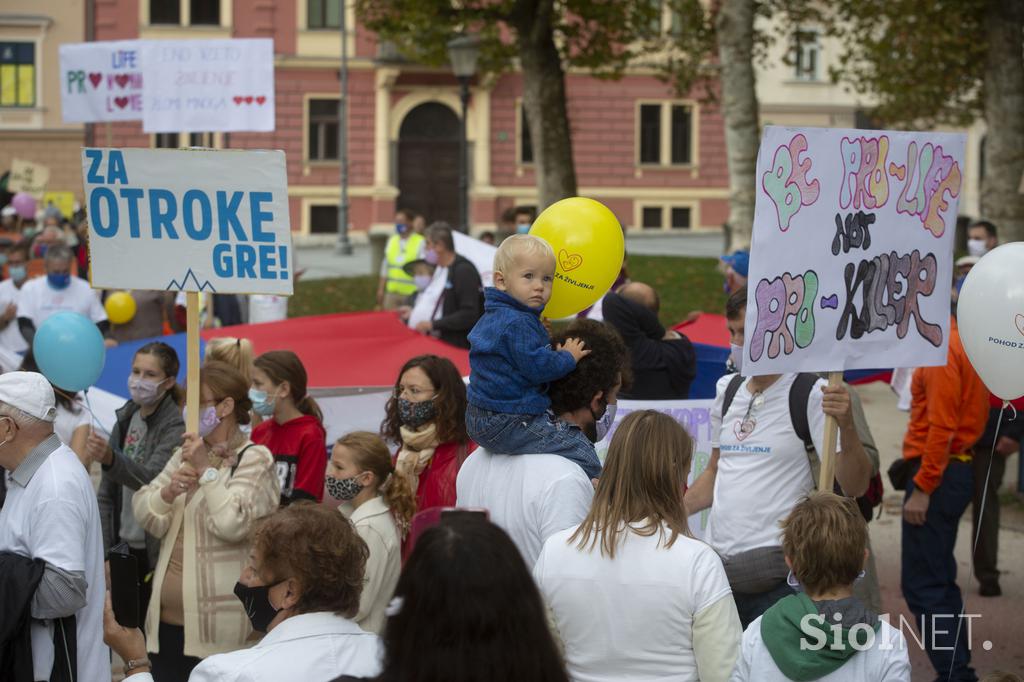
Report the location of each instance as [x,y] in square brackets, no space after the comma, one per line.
[124,586]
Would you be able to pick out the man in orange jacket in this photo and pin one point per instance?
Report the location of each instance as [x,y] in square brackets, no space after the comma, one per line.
[947,416]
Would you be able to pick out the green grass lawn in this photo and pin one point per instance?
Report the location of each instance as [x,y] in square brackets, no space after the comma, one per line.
[684,284]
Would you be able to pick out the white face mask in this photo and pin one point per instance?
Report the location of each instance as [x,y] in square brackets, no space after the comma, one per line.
[604,424]
[976,247]
[737,357]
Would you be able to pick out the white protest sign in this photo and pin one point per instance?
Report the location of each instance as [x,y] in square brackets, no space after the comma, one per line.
[852,252]
[101,81]
[28,177]
[695,417]
[188,220]
[478,253]
[208,85]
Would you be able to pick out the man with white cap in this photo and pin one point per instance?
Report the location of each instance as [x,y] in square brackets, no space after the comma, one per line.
[51,514]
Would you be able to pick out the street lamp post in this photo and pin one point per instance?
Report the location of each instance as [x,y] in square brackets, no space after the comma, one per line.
[463,53]
[344,246]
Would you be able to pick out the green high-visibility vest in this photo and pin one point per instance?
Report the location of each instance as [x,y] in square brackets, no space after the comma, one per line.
[398,281]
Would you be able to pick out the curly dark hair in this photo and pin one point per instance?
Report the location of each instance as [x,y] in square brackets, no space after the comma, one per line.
[450,400]
[470,611]
[320,549]
[600,371]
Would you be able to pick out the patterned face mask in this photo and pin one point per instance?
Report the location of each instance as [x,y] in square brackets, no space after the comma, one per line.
[415,415]
[343,489]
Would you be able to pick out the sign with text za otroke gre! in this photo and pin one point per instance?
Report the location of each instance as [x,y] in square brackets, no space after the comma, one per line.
[188,220]
[851,261]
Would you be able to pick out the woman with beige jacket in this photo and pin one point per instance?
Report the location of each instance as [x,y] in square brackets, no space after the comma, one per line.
[203,506]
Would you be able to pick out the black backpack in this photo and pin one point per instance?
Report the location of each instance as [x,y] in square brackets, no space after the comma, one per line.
[799,396]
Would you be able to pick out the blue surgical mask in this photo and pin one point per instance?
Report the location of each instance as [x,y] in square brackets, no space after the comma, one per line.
[18,273]
[3,259]
[260,404]
[58,281]
[522,228]
[401,228]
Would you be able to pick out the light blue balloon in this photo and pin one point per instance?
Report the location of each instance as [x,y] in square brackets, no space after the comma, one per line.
[69,351]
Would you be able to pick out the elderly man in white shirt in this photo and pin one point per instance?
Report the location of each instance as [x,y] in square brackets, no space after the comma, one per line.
[532,497]
[302,588]
[50,514]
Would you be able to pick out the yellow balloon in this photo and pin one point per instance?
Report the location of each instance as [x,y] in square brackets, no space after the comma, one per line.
[589,247]
[120,307]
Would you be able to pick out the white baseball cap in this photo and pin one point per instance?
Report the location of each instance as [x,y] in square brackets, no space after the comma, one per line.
[30,392]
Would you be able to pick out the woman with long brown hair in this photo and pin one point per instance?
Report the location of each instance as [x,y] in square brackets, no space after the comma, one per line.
[380,504]
[426,416]
[633,594]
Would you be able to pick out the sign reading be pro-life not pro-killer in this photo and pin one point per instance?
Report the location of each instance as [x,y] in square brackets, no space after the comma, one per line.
[188,220]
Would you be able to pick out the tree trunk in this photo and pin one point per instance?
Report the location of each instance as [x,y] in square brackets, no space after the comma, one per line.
[734,26]
[545,107]
[1001,200]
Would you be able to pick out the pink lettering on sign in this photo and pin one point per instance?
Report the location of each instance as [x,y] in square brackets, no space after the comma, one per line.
[864,184]
[787,183]
[931,175]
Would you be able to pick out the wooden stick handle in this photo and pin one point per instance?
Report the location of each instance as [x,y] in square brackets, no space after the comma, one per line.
[192,372]
[828,457]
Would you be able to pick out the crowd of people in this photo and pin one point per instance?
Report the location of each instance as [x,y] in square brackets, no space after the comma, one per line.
[477,535]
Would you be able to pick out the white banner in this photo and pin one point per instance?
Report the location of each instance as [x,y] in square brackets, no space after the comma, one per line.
[101,81]
[695,417]
[852,252]
[28,177]
[478,253]
[208,85]
[188,220]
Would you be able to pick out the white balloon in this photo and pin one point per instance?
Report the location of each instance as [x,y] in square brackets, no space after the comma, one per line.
[990,318]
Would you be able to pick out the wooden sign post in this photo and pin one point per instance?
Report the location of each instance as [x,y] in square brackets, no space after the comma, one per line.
[192,372]
[830,441]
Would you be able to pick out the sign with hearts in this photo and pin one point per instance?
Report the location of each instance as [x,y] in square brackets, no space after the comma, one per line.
[101,81]
[208,85]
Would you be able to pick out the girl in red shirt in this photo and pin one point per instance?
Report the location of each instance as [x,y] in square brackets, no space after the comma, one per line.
[293,429]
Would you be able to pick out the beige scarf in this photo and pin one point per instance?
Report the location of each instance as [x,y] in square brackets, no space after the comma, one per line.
[417,450]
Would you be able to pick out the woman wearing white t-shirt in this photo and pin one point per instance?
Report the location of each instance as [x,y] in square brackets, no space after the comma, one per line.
[633,595]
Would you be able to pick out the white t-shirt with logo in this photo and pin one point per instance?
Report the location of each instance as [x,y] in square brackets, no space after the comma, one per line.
[10,337]
[56,518]
[38,300]
[631,617]
[530,497]
[761,474]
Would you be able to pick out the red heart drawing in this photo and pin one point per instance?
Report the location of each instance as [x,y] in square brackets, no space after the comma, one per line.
[569,261]
[248,100]
[122,79]
[1020,323]
[261,99]
[238,100]
[121,102]
[95,79]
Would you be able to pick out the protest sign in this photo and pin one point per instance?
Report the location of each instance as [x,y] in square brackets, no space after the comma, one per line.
[852,251]
[208,85]
[101,81]
[28,177]
[695,417]
[478,253]
[188,220]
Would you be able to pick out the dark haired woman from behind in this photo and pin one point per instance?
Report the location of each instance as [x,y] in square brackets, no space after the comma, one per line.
[293,428]
[467,610]
[148,429]
[426,416]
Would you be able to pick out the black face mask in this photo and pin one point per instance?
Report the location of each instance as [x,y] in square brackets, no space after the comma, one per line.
[590,430]
[256,601]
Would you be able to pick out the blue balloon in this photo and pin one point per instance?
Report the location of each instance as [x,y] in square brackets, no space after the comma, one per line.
[69,351]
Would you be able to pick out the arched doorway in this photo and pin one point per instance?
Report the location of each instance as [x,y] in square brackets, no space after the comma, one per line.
[428,162]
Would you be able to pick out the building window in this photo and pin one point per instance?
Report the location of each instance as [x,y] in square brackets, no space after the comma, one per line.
[166,141]
[323,13]
[17,74]
[204,12]
[323,219]
[164,12]
[200,140]
[653,217]
[323,130]
[805,55]
[525,141]
[665,134]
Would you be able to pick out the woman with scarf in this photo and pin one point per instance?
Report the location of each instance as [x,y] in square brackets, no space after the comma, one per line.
[426,416]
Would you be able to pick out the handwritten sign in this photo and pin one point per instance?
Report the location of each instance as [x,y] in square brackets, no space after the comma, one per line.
[28,177]
[101,81]
[695,417]
[208,85]
[212,221]
[852,250]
